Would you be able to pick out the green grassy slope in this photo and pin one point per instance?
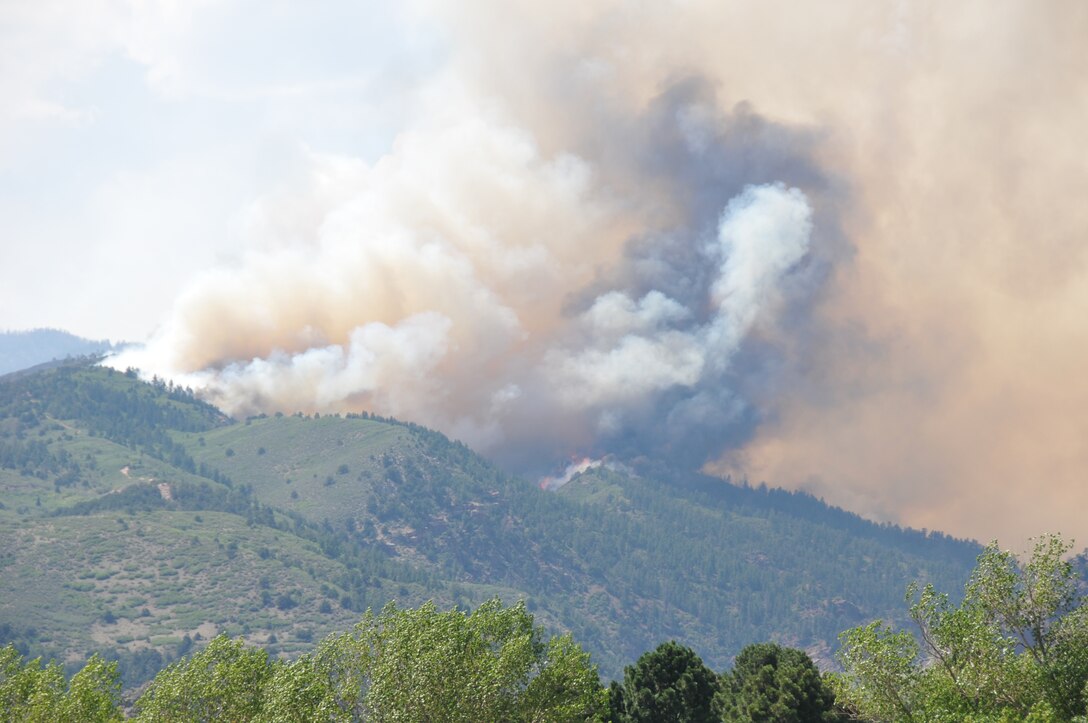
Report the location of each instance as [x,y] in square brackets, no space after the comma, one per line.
[105,545]
[149,579]
[330,464]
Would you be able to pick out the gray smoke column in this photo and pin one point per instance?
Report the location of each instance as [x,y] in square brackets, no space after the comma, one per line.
[523,302]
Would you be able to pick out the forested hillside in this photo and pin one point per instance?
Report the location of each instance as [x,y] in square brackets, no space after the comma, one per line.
[137,521]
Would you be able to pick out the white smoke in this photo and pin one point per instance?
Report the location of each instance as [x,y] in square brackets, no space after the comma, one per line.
[573,469]
[435,286]
[581,466]
[633,349]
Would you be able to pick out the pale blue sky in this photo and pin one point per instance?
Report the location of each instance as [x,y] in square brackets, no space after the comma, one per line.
[134,135]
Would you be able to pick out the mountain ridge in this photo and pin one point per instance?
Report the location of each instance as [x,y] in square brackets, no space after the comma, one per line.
[371,509]
[25,349]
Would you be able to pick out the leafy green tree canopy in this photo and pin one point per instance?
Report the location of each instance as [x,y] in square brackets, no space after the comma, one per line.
[224,681]
[401,665]
[32,692]
[428,665]
[1015,648]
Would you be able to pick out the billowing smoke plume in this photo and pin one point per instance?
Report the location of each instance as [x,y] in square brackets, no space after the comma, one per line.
[518,301]
[832,246]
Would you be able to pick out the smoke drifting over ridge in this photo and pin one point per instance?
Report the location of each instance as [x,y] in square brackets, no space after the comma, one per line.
[588,241]
[517,301]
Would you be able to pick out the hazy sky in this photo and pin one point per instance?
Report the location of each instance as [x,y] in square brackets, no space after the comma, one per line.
[838,247]
[135,137]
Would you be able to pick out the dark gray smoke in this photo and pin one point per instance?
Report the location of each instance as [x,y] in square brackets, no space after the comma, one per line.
[700,156]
